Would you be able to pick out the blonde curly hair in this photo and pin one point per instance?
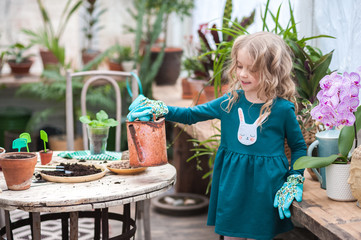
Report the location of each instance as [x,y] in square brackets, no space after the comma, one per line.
[272,60]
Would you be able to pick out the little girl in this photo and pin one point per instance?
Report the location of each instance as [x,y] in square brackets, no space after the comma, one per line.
[251,174]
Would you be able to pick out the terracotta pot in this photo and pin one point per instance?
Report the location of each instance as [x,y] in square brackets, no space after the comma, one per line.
[209,91]
[45,157]
[88,55]
[20,68]
[18,169]
[147,143]
[198,95]
[48,58]
[169,70]
[115,66]
[186,89]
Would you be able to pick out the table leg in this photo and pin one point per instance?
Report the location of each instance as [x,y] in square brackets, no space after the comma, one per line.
[97,218]
[7,224]
[65,226]
[126,213]
[74,225]
[146,219]
[36,223]
[105,224]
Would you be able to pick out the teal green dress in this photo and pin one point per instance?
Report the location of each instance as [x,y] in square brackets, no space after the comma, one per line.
[250,165]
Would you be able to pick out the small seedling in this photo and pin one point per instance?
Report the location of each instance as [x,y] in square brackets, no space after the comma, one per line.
[19,143]
[28,139]
[102,120]
[44,137]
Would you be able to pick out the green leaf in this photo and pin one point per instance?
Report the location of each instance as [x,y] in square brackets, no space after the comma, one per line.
[102,115]
[346,139]
[111,122]
[314,162]
[320,70]
[85,119]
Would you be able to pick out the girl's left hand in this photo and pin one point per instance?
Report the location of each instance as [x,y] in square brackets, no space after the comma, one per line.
[291,189]
[143,108]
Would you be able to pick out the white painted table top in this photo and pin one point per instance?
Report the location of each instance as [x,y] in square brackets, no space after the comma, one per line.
[110,190]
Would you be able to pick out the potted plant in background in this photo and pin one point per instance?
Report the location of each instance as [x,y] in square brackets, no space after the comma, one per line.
[151,19]
[91,17]
[51,52]
[338,105]
[198,70]
[19,61]
[222,39]
[98,130]
[120,58]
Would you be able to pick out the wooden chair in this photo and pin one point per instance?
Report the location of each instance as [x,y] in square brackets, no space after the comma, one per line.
[142,207]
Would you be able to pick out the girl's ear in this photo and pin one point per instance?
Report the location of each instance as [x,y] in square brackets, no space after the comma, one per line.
[261,119]
[241,116]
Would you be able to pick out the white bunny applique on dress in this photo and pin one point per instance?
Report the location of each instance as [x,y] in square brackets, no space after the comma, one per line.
[247,133]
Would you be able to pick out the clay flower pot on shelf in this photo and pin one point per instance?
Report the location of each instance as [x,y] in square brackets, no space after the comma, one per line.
[45,157]
[18,169]
[48,58]
[169,70]
[20,68]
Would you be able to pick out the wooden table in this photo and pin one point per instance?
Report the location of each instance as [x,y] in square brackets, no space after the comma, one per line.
[108,191]
[325,218]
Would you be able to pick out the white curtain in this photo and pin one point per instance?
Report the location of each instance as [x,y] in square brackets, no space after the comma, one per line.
[340,19]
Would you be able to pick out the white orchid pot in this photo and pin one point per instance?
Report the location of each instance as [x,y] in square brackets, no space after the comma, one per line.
[337,186]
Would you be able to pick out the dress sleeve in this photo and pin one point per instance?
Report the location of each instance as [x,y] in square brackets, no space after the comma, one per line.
[203,112]
[295,139]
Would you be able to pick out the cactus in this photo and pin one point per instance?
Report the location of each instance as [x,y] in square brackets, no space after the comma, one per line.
[227,14]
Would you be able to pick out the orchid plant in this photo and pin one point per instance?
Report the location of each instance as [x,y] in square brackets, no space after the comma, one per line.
[338,106]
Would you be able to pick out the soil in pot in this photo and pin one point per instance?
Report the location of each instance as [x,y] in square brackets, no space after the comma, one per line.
[18,169]
[76,170]
[98,139]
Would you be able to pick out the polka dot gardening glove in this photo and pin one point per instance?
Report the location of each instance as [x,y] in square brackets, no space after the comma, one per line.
[291,189]
[143,108]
